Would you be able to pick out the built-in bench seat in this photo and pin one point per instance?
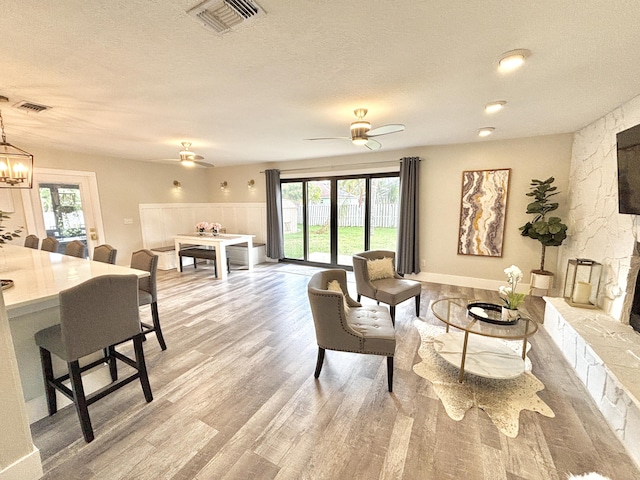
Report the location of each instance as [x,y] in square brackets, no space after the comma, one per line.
[238,253]
[166,257]
[200,253]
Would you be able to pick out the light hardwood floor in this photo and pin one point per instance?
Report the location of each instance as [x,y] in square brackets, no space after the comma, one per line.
[235,398]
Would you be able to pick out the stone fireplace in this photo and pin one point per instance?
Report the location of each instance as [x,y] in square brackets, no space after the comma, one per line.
[631,308]
[596,230]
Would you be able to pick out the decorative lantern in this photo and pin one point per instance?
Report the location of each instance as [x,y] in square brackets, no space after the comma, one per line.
[582,282]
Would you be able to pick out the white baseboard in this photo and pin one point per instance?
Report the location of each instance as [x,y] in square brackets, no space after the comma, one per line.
[459,281]
[28,467]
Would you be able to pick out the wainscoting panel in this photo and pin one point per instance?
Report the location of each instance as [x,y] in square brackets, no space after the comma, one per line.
[160,222]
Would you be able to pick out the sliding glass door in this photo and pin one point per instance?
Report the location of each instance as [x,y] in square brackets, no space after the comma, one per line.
[326,221]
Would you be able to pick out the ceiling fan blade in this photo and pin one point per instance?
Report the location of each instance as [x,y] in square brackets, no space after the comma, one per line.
[329,138]
[373,145]
[204,164]
[385,130]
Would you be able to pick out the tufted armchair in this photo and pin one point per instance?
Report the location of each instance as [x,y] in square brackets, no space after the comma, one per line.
[343,324]
[392,290]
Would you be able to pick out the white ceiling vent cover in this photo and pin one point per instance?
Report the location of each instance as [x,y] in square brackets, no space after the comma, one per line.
[31,107]
[224,16]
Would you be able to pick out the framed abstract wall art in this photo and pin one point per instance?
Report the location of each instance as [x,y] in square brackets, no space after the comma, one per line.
[483,208]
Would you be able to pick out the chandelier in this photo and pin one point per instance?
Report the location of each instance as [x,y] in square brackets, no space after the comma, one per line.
[16,165]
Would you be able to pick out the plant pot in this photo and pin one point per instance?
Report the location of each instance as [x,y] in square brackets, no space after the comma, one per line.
[541,279]
[510,314]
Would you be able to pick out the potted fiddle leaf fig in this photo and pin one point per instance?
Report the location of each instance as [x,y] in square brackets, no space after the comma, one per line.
[548,230]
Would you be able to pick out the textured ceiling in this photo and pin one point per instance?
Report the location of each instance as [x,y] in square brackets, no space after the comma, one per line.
[134,78]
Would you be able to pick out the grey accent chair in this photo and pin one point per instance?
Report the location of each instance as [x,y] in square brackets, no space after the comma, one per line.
[75,249]
[343,324]
[391,291]
[49,244]
[94,316]
[31,241]
[147,294]
[105,253]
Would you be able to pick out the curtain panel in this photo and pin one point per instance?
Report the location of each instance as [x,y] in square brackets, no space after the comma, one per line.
[275,236]
[408,255]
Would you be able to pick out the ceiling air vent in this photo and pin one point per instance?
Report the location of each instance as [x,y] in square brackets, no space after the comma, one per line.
[224,16]
[31,107]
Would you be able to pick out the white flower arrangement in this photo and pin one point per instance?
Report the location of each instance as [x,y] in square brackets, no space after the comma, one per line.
[215,227]
[509,296]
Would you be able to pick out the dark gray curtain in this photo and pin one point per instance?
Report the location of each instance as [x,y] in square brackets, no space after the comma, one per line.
[275,237]
[408,255]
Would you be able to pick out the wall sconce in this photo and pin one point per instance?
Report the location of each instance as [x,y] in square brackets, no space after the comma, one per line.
[223,185]
[16,165]
[251,183]
[177,184]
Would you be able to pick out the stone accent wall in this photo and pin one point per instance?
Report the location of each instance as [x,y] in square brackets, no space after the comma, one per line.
[596,229]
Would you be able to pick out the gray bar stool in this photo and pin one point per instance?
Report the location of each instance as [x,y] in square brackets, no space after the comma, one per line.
[105,253]
[75,249]
[147,294]
[49,244]
[96,315]
[31,241]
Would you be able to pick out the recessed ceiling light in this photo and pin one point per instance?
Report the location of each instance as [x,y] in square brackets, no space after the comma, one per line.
[513,60]
[485,131]
[494,107]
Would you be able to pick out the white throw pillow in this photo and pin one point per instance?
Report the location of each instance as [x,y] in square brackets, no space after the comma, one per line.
[380,268]
[334,285]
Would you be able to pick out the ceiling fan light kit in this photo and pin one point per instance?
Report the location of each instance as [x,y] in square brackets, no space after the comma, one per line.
[361,131]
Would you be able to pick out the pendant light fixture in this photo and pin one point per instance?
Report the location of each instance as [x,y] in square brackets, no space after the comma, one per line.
[16,165]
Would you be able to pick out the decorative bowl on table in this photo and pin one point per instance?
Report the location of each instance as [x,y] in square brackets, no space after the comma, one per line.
[489,312]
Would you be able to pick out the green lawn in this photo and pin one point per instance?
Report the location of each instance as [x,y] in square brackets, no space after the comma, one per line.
[350,240]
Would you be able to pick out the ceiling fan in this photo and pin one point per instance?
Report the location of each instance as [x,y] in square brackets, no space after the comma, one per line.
[361,132]
[189,158]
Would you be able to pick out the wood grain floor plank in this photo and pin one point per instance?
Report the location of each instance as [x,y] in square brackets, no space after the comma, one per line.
[235,397]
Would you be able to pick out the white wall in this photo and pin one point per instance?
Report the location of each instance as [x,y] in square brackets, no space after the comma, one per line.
[440,188]
[123,185]
[596,229]
[161,222]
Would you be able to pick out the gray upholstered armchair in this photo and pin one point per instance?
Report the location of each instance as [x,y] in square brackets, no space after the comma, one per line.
[343,324]
[392,290]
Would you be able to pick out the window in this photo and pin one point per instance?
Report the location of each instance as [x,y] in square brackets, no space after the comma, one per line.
[327,220]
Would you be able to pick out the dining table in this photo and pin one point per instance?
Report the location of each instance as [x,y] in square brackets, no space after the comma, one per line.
[217,241]
[32,281]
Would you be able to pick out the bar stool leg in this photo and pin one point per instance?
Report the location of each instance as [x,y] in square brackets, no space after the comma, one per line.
[47,374]
[142,368]
[156,325]
[80,400]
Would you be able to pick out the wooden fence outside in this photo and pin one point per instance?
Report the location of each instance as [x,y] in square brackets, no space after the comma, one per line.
[383,215]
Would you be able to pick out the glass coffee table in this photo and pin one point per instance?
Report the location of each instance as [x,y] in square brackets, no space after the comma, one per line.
[475,345]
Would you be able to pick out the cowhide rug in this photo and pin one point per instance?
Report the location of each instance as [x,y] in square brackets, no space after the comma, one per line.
[502,400]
